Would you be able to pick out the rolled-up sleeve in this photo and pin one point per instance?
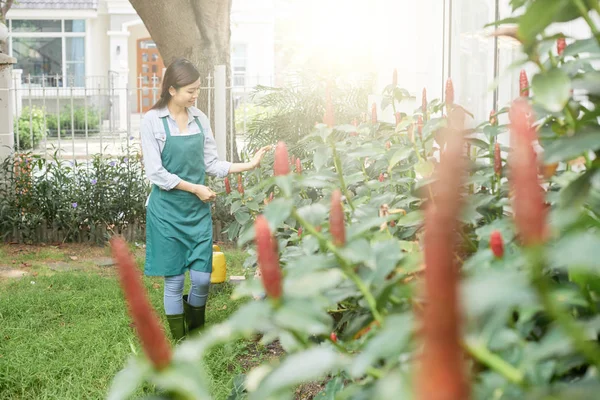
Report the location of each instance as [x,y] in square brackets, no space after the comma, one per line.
[214,166]
[155,172]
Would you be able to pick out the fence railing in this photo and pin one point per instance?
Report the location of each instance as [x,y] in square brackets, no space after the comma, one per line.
[77,117]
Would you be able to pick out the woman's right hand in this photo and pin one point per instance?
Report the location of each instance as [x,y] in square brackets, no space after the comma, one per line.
[204,193]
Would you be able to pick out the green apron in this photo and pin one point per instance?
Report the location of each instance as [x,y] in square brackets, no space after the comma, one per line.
[179,224]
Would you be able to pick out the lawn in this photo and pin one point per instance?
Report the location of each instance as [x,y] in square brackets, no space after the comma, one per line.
[65,332]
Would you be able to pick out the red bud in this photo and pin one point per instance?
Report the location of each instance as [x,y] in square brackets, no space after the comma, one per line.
[424,102]
[146,322]
[497,244]
[523,84]
[561,43]
[300,232]
[497,159]
[268,258]
[420,127]
[449,92]
[398,118]
[395,78]
[381,177]
[336,219]
[388,144]
[227,185]
[298,166]
[529,205]
[374,113]
[333,337]
[281,166]
[493,118]
[271,197]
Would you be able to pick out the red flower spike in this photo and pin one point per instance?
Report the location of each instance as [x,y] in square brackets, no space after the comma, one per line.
[424,102]
[336,219]
[300,232]
[398,118]
[497,160]
[561,43]
[147,324]
[381,177]
[240,184]
[227,185]
[395,78]
[281,165]
[449,92]
[497,244]
[268,258]
[298,166]
[528,203]
[523,84]
[420,127]
[333,337]
[374,113]
[442,370]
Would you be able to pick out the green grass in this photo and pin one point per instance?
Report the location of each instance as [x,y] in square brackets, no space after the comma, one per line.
[65,335]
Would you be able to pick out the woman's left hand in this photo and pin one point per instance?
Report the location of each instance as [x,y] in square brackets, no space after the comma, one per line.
[255,162]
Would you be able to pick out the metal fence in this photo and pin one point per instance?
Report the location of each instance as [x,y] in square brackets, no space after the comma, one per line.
[77,118]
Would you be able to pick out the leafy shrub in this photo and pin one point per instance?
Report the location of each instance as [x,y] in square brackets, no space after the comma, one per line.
[29,128]
[78,120]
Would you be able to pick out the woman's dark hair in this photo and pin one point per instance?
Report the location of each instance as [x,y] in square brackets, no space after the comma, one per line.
[179,73]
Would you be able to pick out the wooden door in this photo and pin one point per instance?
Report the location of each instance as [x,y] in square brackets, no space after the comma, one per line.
[149,74]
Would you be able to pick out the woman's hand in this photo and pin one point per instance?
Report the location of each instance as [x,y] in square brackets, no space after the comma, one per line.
[204,193]
[255,162]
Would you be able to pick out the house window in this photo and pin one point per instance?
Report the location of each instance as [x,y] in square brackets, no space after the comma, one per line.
[52,52]
[239,59]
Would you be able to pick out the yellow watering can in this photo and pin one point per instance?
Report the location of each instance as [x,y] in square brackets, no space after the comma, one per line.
[219,266]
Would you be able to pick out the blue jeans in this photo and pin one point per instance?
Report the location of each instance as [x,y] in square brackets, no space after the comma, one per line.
[173,297]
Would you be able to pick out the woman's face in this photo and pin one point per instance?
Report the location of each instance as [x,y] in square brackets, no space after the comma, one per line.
[185,96]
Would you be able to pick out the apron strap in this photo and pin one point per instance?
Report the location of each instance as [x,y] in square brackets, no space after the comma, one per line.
[199,125]
[166,125]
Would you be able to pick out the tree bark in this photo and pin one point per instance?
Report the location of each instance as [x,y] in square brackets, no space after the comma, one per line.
[4,7]
[198,30]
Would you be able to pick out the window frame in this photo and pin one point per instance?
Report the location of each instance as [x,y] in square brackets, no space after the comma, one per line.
[62,35]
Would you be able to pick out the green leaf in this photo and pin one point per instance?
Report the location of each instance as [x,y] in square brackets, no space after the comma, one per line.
[312,284]
[577,250]
[314,213]
[424,168]
[242,217]
[310,365]
[127,380]
[567,148]
[582,46]
[387,343]
[278,211]
[333,387]
[552,89]
[539,15]
[576,193]
[589,81]
[303,316]
[322,154]
[398,156]
[252,205]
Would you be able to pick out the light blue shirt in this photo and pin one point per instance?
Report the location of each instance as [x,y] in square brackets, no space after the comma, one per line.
[154,137]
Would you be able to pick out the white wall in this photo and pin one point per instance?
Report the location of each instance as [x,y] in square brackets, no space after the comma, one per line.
[97,49]
[252,24]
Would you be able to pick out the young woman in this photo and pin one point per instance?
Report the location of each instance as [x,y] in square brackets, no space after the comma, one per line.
[179,151]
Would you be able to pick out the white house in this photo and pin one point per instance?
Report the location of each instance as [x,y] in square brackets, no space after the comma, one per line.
[95,49]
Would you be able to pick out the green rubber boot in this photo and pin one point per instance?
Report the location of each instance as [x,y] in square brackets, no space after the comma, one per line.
[194,316]
[177,326]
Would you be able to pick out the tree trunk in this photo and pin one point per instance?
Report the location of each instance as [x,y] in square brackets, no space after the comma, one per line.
[198,30]
[4,7]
